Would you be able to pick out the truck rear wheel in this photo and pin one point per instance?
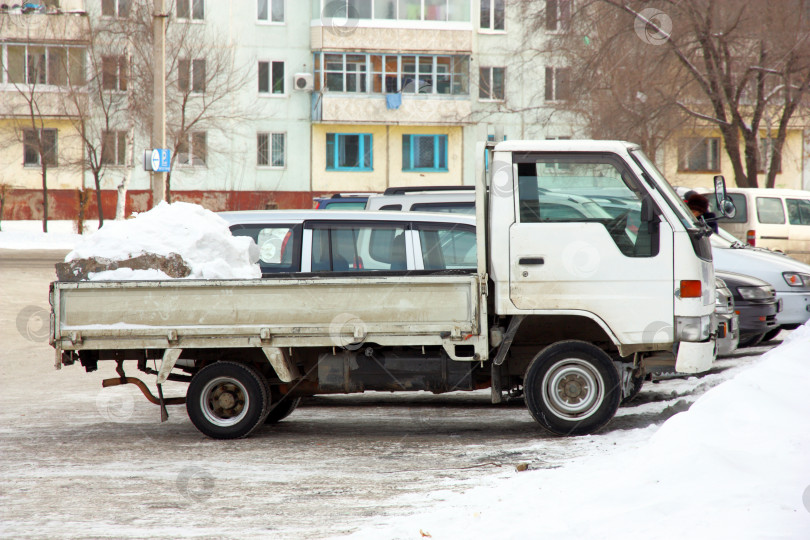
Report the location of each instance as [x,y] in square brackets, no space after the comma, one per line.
[227,400]
[281,409]
[572,388]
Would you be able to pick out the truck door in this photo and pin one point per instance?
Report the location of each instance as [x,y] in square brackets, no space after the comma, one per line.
[588,238]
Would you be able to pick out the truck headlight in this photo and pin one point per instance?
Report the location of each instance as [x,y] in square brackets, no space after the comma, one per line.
[796,279]
[756,293]
[693,328]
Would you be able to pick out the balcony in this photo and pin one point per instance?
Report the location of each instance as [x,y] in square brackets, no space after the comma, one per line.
[44,27]
[444,38]
[373,109]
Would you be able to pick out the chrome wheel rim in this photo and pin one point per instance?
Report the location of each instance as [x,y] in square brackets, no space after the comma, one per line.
[573,389]
[224,401]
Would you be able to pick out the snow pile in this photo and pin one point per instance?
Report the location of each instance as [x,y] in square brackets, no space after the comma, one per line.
[198,235]
[735,465]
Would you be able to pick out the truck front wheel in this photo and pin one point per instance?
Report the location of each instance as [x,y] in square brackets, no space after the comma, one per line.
[572,388]
[227,400]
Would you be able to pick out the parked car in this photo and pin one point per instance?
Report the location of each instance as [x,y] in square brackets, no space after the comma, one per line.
[453,199]
[756,305]
[728,322]
[777,219]
[342,201]
[357,241]
[789,278]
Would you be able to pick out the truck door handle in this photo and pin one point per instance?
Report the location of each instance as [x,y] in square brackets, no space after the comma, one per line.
[531,260]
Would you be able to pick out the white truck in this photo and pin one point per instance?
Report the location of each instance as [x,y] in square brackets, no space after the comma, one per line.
[563,307]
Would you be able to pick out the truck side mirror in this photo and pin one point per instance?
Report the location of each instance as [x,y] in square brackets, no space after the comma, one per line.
[724,204]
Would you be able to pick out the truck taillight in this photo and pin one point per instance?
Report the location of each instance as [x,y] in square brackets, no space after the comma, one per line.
[690,288]
[751,238]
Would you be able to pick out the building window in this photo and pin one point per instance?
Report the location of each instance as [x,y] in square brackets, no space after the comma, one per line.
[114,73]
[31,144]
[191,75]
[391,73]
[271,10]
[349,152]
[558,85]
[191,9]
[39,64]
[114,148]
[558,15]
[404,10]
[115,8]
[271,77]
[270,149]
[766,145]
[424,153]
[491,83]
[699,154]
[193,150]
[493,14]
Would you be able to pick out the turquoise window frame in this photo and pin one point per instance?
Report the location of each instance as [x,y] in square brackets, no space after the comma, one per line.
[409,152]
[366,141]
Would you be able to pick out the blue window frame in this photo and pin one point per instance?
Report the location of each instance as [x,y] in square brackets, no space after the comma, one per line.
[349,152]
[424,153]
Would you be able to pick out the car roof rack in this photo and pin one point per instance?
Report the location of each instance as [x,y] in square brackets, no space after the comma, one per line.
[417,189]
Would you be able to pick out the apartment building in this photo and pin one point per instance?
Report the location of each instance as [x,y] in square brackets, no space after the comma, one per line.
[319,96]
[41,54]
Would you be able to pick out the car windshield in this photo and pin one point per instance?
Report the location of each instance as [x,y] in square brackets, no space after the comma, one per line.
[675,202]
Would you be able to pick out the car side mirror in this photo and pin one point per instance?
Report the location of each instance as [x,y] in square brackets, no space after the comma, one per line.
[724,204]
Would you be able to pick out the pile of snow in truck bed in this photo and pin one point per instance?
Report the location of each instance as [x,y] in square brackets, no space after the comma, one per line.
[198,235]
[735,465]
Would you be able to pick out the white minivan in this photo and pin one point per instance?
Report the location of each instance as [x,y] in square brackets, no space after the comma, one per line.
[777,219]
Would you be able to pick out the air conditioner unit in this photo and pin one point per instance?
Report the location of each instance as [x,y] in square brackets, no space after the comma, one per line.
[303,82]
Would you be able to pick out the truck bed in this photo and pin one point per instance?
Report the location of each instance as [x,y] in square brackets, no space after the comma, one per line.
[278,312]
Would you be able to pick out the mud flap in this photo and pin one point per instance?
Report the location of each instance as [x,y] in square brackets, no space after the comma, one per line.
[694,357]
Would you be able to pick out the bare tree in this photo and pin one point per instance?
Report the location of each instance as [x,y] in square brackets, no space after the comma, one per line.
[739,65]
[5,189]
[98,102]
[202,78]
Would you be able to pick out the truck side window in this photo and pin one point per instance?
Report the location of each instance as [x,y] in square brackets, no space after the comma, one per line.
[338,248]
[448,247]
[556,188]
[279,246]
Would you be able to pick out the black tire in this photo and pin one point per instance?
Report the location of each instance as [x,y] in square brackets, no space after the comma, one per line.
[227,400]
[572,388]
[281,409]
[749,340]
[770,334]
[638,382]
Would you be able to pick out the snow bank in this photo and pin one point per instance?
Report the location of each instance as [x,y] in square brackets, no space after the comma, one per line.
[735,465]
[198,235]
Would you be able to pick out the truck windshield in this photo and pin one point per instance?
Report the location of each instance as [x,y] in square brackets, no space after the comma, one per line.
[675,202]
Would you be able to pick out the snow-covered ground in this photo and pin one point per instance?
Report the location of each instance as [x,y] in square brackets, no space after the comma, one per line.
[735,465]
[25,234]
[723,455]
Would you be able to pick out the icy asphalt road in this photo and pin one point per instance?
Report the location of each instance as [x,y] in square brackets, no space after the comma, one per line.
[79,461]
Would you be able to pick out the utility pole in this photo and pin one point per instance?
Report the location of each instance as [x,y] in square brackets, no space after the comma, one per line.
[159,95]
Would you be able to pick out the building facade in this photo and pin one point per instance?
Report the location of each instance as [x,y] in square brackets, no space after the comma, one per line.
[323,96]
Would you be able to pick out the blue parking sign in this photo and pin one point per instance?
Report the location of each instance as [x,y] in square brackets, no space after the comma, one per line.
[161,160]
